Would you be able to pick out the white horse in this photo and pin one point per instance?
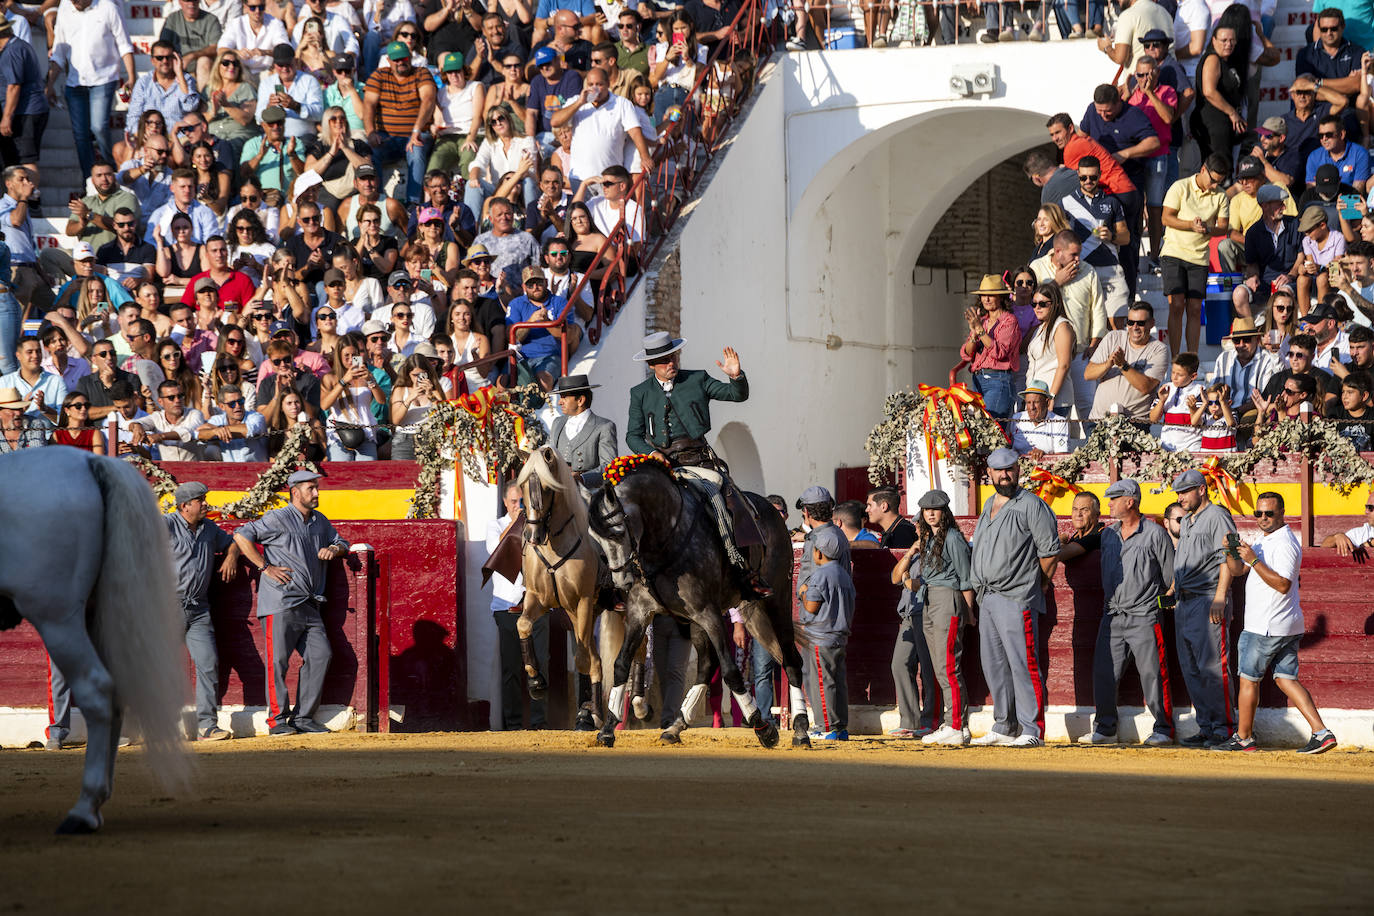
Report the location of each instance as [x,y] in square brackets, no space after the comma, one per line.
[86,561]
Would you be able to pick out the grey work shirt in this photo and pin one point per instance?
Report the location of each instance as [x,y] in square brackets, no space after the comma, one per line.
[954,571]
[289,540]
[193,558]
[1201,550]
[1008,547]
[833,587]
[807,565]
[1136,570]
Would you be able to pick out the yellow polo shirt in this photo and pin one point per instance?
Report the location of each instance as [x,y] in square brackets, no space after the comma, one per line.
[1192,203]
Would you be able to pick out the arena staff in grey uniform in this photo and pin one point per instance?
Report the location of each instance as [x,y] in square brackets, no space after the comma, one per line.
[586,441]
[298,541]
[1137,569]
[195,541]
[1202,587]
[1015,549]
[817,508]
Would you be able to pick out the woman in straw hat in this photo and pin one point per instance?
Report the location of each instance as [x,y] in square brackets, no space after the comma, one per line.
[993,345]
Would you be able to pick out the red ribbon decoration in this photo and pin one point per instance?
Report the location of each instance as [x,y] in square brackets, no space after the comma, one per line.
[1050,486]
[480,405]
[1219,479]
[957,398]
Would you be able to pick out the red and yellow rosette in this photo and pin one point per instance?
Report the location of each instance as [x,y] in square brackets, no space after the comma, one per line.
[958,399]
[480,404]
[1050,486]
[619,467]
[1227,487]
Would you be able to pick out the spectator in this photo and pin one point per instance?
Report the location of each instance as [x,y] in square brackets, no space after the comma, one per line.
[193,34]
[511,249]
[1350,159]
[192,134]
[58,361]
[506,600]
[1273,243]
[231,285]
[350,395]
[459,225]
[71,294]
[286,376]
[1355,281]
[550,90]
[1015,544]
[98,385]
[1052,352]
[1325,193]
[294,91]
[1036,431]
[1055,181]
[18,428]
[204,222]
[241,432]
[1176,404]
[826,618]
[417,390]
[849,518]
[273,160]
[1282,163]
[1273,625]
[604,57]
[93,218]
[1100,224]
[299,541]
[338,34]
[1085,517]
[41,391]
[74,427]
[378,360]
[1320,248]
[148,176]
[1310,104]
[1217,122]
[377,250]
[1128,367]
[1300,352]
[453,25]
[254,35]
[131,439]
[362,294]
[398,106]
[458,108]
[1196,210]
[615,204]
[168,88]
[631,52]
[602,124]
[1138,19]
[676,67]
[1357,539]
[306,360]
[1245,368]
[497,42]
[469,345]
[177,368]
[1355,415]
[403,339]
[993,340]
[1359,352]
[16,227]
[25,106]
[1217,421]
[1127,134]
[895,532]
[346,93]
[1332,59]
[1161,105]
[173,428]
[541,349]
[126,258]
[291,412]
[1332,341]
[1251,176]
[312,248]
[1137,560]
[89,43]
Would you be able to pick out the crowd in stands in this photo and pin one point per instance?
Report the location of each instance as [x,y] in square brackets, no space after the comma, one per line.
[1167,173]
[323,213]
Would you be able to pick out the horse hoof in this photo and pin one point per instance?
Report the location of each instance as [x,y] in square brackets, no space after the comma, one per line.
[585,722]
[670,737]
[75,826]
[641,707]
[538,688]
[767,735]
[605,740]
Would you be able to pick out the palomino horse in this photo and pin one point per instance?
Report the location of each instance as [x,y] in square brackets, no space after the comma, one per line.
[86,562]
[664,550]
[560,565]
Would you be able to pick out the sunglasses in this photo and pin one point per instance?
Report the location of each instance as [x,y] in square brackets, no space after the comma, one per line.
[1213,403]
[401,284]
[238,403]
[310,219]
[1265,513]
[1291,393]
[228,63]
[262,316]
[1282,308]
[172,354]
[1137,322]
[1040,303]
[405,35]
[1297,354]
[1089,179]
[1326,134]
[128,225]
[400,314]
[233,341]
[1024,284]
[103,354]
[377,338]
[78,405]
[282,361]
[1152,44]
[1328,29]
[162,57]
[172,397]
[254,7]
[558,254]
[1302,92]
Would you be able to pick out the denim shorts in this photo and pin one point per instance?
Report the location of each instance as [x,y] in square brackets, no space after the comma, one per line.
[1256,653]
[1160,173]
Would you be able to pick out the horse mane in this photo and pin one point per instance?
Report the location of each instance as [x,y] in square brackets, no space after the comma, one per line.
[556,475]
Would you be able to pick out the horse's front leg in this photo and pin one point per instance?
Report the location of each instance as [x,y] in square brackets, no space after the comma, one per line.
[639,610]
[588,663]
[530,612]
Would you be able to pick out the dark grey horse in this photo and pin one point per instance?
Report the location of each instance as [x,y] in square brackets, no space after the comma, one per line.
[664,551]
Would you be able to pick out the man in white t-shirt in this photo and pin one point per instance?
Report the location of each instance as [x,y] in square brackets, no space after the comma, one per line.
[173,428]
[615,200]
[602,123]
[507,597]
[1273,625]
[1139,17]
[1356,539]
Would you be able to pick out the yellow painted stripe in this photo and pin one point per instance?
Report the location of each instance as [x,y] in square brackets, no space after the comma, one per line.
[340,504]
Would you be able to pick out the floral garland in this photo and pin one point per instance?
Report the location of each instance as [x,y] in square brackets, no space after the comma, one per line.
[163,483]
[488,430]
[957,427]
[615,471]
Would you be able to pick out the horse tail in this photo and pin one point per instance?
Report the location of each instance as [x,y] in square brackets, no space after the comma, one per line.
[137,625]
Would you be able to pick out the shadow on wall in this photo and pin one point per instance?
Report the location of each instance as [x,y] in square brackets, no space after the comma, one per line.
[737,447]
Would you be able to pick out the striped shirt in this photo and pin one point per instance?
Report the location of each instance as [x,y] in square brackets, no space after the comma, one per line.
[398,104]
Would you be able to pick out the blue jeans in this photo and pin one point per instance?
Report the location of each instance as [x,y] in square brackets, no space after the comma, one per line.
[765,668]
[477,192]
[372,52]
[1097,13]
[996,13]
[11,317]
[89,107]
[365,452]
[667,97]
[995,387]
[1064,18]
[417,158]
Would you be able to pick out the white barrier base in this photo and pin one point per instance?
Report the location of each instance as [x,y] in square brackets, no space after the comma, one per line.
[21,727]
[1273,727]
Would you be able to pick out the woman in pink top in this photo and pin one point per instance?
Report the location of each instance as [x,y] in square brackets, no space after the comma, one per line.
[993,345]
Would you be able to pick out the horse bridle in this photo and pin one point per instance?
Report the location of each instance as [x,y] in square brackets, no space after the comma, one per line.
[552,568]
[633,562]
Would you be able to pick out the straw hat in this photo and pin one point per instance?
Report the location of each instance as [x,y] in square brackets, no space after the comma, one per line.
[9,397]
[992,285]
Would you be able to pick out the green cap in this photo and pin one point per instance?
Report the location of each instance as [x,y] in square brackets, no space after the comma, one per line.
[397,51]
[451,61]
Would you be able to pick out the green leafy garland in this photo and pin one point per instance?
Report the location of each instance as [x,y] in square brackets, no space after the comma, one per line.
[484,445]
[904,412]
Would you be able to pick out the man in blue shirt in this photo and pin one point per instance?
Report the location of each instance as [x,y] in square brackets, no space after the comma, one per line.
[551,88]
[1331,60]
[1126,132]
[23,122]
[1351,159]
[168,88]
[27,284]
[541,349]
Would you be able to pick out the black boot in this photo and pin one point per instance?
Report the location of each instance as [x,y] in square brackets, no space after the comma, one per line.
[753,585]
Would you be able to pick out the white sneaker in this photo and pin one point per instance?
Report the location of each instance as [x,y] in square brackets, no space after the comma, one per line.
[1158,739]
[1027,741]
[796,44]
[992,739]
[1097,737]
[943,735]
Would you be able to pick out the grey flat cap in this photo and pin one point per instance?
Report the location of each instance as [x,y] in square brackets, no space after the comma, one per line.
[192,489]
[1002,458]
[1188,480]
[300,477]
[814,496]
[1124,487]
[933,499]
[827,541]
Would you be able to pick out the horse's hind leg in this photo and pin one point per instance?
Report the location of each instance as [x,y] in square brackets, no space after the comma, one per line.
[706,669]
[764,625]
[639,610]
[713,622]
[93,692]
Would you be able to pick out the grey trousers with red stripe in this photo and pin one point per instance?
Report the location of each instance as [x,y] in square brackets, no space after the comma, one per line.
[1126,636]
[826,691]
[944,628]
[297,629]
[1205,662]
[1008,636]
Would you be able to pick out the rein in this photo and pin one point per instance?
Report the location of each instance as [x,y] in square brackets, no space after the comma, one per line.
[563,558]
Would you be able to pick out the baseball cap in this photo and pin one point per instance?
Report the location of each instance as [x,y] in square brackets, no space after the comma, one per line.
[1002,458]
[82,251]
[397,278]
[205,283]
[1319,312]
[283,54]
[1327,177]
[344,61]
[273,114]
[827,541]
[451,61]
[397,51]
[428,214]
[1188,480]
[279,327]
[426,349]
[531,273]
[1250,167]
[1271,193]
[334,275]
[1275,125]
[366,170]
[545,55]
[1311,218]
[1124,487]
[814,496]
[373,326]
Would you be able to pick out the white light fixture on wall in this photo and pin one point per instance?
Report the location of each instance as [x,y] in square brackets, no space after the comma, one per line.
[973,79]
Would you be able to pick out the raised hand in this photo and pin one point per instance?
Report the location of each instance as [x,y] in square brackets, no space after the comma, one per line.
[730,366]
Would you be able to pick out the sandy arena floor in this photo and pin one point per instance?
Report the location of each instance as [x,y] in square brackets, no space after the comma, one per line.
[541,823]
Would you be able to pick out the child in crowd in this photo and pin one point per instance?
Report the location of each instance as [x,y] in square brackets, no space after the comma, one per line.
[826,615]
[849,515]
[1213,415]
[1320,248]
[1355,416]
[1175,405]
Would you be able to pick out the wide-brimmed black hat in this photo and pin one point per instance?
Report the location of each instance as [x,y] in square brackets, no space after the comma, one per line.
[572,384]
